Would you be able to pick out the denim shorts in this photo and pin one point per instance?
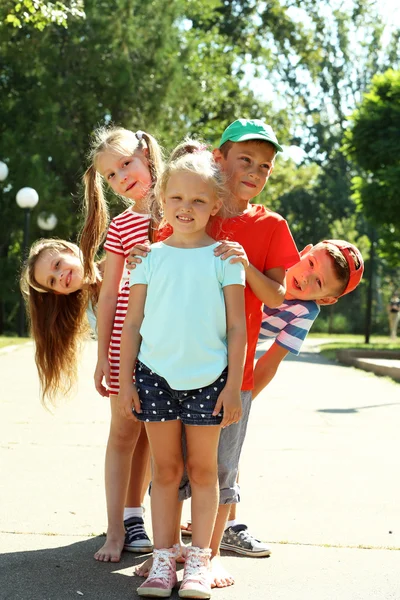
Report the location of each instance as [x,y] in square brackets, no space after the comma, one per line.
[159,402]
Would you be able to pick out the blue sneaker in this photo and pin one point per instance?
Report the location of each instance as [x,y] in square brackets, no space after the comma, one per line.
[136,538]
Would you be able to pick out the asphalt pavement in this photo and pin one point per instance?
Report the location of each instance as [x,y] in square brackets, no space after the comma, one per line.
[319,476]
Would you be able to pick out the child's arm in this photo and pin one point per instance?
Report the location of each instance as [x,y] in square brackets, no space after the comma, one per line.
[267,366]
[230,398]
[269,287]
[130,343]
[105,317]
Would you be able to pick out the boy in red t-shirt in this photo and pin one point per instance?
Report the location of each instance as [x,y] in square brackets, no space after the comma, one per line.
[246,154]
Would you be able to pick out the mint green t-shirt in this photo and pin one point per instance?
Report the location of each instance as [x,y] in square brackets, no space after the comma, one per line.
[184,326]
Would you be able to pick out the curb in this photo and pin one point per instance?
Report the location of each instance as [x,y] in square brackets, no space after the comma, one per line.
[381,362]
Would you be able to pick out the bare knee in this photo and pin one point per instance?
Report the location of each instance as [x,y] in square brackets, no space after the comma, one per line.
[168,472]
[202,474]
[123,434]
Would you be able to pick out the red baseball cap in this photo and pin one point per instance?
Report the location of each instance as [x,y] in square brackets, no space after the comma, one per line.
[356,271]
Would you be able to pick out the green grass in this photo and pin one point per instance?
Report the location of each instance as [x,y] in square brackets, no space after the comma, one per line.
[12,341]
[352,338]
[329,350]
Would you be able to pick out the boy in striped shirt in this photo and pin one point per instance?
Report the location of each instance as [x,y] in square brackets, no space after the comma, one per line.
[324,273]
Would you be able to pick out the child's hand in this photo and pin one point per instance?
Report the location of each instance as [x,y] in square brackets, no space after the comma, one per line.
[230,401]
[102,372]
[227,248]
[128,399]
[138,250]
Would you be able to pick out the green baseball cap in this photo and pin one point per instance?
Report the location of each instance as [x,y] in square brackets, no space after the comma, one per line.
[250,129]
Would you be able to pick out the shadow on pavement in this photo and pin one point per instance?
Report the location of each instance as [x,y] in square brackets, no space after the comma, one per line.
[68,572]
[305,357]
[356,409]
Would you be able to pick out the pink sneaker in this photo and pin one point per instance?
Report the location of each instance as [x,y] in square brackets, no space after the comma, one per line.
[196,581]
[162,576]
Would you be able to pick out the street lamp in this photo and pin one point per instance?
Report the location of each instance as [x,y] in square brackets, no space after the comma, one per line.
[26,198]
[47,222]
[3,171]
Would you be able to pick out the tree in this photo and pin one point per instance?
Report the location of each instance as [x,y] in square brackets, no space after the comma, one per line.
[372,142]
[40,13]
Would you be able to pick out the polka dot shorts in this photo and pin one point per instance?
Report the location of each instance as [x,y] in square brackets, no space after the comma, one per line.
[159,402]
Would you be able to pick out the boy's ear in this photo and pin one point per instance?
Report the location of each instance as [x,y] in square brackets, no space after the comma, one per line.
[305,250]
[217,154]
[326,301]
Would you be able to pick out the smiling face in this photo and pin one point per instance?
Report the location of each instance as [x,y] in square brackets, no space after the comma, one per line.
[128,176]
[248,166]
[58,271]
[313,277]
[189,201]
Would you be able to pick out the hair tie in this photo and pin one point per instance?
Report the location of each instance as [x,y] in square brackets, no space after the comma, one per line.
[139,134]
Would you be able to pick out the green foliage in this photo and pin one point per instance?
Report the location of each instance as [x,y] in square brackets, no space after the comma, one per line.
[178,68]
[372,142]
[40,14]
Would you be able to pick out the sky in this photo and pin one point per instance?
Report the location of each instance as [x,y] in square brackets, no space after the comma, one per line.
[262,87]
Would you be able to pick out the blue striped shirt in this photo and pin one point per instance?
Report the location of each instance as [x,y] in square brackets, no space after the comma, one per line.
[289,323]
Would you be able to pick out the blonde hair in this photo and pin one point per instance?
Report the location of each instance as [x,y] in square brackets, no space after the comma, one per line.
[58,322]
[119,141]
[192,156]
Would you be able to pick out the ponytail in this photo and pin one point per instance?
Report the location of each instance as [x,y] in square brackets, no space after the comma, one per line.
[156,167]
[155,157]
[96,221]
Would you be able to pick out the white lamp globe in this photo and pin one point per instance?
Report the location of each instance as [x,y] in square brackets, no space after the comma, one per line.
[3,171]
[27,197]
[47,222]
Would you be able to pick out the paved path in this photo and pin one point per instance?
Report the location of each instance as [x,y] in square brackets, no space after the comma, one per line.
[320,481]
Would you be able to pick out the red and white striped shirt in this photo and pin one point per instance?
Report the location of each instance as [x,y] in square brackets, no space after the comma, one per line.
[125,231]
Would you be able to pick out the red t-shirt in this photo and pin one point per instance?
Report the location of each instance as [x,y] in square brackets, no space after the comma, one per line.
[268,243]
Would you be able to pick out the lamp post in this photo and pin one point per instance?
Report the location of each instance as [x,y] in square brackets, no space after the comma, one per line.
[3,171]
[3,243]
[26,198]
[47,222]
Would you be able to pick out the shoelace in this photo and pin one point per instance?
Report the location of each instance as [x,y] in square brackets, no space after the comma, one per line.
[197,561]
[136,530]
[161,565]
[246,536]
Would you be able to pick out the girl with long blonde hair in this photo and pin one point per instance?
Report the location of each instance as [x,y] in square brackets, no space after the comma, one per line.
[130,164]
[57,298]
[60,304]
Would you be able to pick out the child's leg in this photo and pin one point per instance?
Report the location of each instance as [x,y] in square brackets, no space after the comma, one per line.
[166,451]
[121,443]
[136,538]
[202,467]
[229,449]
[140,471]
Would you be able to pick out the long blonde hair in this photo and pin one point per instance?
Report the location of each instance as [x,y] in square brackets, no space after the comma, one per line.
[119,141]
[58,322]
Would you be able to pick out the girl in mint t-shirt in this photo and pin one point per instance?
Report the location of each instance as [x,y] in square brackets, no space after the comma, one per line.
[185,331]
